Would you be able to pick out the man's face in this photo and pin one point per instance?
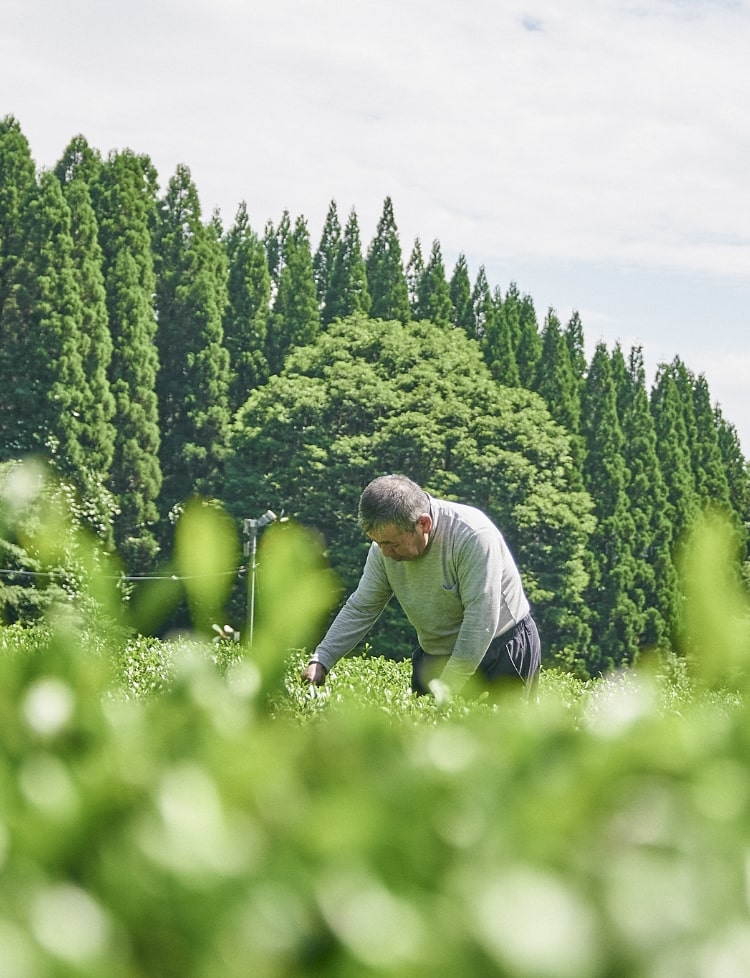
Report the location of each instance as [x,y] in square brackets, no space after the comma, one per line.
[403,545]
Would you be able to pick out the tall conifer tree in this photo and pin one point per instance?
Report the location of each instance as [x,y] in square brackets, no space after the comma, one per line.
[247,311]
[460,293]
[673,452]
[347,291]
[274,241]
[433,292]
[483,308]
[124,197]
[325,258]
[711,481]
[655,580]
[79,161]
[17,186]
[191,298]
[296,318]
[414,273]
[97,430]
[529,350]
[386,280]
[616,622]
[738,475]
[497,344]
[40,358]
[574,338]
[555,378]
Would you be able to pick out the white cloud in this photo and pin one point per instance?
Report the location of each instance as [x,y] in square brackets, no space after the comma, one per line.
[606,133]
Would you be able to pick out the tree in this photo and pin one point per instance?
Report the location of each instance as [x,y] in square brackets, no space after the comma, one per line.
[498,344]
[709,473]
[673,452]
[325,257]
[274,241]
[372,396]
[124,198]
[296,318]
[738,474]
[555,379]
[96,428]
[529,349]
[573,335]
[414,272]
[616,623]
[483,306]
[79,161]
[191,298]
[460,293]
[247,310]
[385,273]
[17,186]
[433,294]
[655,586]
[40,359]
[347,292]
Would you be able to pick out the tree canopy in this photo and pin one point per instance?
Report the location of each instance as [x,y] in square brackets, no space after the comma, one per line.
[372,396]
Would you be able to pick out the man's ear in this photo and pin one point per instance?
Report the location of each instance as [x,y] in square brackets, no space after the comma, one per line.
[425,522]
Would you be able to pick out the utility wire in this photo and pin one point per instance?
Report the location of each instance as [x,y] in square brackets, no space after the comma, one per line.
[126,577]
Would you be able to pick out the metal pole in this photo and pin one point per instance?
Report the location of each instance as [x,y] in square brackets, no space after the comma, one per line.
[251,567]
[251,528]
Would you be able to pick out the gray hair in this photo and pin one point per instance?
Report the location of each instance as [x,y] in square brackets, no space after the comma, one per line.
[392,500]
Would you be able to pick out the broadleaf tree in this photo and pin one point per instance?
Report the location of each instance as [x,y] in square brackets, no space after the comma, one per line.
[371,396]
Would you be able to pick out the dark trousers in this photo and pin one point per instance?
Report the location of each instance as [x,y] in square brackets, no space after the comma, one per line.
[513,658]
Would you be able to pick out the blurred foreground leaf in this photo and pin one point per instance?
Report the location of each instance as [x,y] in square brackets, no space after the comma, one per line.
[206,557]
[296,592]
[716,633]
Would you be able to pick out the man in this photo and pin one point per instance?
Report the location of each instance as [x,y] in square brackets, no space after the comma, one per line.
[452,573]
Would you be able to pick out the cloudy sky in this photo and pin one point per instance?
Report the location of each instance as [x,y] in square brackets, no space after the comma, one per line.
[596,153]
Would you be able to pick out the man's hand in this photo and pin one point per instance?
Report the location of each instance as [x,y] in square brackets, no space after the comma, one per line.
[315,674]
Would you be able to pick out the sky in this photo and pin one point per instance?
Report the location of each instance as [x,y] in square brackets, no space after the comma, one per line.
[594,153]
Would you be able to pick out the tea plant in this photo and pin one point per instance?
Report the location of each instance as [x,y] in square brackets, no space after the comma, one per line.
[191,810]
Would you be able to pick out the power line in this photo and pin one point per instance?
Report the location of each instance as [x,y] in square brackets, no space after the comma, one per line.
[9,572]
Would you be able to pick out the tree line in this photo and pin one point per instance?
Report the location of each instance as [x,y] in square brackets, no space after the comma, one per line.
[152,354]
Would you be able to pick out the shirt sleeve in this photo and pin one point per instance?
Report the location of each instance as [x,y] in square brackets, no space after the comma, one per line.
[479,566]
[358,614]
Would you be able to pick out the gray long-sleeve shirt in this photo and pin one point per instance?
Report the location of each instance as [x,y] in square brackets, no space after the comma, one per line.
[462,592]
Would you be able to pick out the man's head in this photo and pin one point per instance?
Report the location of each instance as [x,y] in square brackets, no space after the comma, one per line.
[395,513]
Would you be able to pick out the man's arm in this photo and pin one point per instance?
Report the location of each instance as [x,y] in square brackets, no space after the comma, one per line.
[355,619]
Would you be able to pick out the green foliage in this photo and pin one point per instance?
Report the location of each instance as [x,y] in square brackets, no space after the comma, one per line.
[617,621]
[193,379]
[247,310]
[295,316]
[460,295]
[716,602]
[124,197]
[187,809]
[347,291]
[371,397]
[41,354]
[433,298]
[386,279]
[51,541]
[86,247]
[97,406]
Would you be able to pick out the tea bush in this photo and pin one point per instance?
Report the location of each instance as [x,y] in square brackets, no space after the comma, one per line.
[188,809]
